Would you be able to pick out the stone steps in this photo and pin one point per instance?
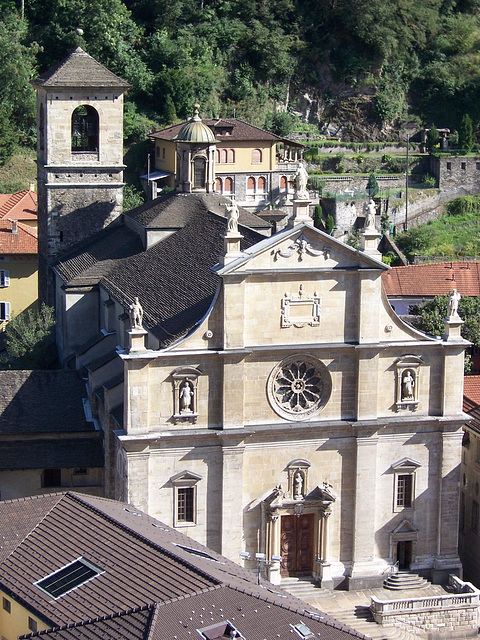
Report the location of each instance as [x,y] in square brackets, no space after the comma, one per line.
[362,621]
[405,580]
[303,588]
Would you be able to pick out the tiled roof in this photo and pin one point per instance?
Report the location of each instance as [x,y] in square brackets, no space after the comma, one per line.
[471,388]
[80,70]
[239,130]
[34,402]
[172,279]
[24,241]
[433,279]
[150,587]
[19,206]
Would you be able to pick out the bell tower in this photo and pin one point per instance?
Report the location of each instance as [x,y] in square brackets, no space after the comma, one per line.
[79,157]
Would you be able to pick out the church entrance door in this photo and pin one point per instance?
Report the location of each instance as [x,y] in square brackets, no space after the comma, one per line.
[296,545]
[404,554]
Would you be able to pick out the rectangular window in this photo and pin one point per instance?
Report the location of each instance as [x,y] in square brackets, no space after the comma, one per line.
[4,310]
[4,278]
[464,165]
[7,605]
[52,478]
[185,504]
[478,449]
[475,513]
[477,166]
[32,624]
[404,491]
[449,166]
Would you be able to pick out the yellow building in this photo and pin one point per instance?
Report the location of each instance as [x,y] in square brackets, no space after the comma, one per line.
[254,165]
[18,268]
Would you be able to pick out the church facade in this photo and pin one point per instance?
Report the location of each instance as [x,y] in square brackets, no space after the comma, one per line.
[258,392]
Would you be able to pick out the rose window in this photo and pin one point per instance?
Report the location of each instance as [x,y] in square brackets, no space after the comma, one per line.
[299,387]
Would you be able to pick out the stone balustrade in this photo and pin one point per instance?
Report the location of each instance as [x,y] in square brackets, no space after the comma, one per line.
[446,616]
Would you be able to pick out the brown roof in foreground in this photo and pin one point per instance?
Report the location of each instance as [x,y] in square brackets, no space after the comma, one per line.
[22,241]
[471,399]
[19,206]
[238,130]
[80,70]
[433,279]
[151,586]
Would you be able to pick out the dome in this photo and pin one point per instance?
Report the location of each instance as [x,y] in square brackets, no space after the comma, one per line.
[195,131]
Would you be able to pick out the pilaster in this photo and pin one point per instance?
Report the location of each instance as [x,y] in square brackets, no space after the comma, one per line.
[232,500]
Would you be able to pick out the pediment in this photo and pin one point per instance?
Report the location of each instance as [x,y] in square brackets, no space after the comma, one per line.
[405,527]
[300,248]
[185,475]
[323,493]
[409,464]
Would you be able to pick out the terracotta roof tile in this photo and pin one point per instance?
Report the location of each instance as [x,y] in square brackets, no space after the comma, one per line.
[433,279]
[23,242]
[19,206]
[80,70]
[239,130]
[471,388]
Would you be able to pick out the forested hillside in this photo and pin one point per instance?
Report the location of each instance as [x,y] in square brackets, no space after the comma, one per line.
[366,66]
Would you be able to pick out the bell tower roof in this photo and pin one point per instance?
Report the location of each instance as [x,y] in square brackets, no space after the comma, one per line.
[195,131]
[80,70]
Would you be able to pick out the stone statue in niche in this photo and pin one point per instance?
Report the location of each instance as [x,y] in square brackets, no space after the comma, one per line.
[371,210]
[135,312]
[408,385]
[233,214]
[297,485]
[186,396]
[453,301]
[301,179]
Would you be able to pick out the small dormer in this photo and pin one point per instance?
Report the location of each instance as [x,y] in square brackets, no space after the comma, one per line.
[195,148]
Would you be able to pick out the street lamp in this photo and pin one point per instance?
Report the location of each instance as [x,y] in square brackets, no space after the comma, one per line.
[260,559]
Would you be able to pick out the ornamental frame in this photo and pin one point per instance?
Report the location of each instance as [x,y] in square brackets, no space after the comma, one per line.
[310,304]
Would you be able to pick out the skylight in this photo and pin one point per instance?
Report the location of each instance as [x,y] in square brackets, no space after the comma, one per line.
[67,578]
[196,552]
[302,630]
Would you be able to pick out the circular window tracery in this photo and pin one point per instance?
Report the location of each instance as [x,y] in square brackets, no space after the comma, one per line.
[299,387]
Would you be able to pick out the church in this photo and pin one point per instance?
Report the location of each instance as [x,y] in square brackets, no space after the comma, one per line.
[256,391]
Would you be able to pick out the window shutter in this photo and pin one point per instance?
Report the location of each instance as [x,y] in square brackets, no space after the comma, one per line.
[6,278]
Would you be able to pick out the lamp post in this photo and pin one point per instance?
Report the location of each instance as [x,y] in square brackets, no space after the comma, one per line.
[261,560]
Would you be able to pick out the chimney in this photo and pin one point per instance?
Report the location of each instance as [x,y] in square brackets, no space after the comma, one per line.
[14,226]
[31,186]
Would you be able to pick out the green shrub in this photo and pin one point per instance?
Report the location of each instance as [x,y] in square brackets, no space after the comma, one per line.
[463,206]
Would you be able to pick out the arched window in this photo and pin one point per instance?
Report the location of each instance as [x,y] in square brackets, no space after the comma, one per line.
[85,129]
[199,166]
[218,185]
[291,184]
[231,156]
[251,185]
[261,185]
[228,185]
[256,156]
[217,155]
[283,183]
[223,156]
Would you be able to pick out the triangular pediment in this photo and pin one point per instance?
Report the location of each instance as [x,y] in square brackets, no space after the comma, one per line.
[185,476]
[406,463]
[405,526]
[302,248]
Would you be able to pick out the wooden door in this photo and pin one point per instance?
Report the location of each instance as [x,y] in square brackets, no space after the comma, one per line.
[296,545]
[404,555]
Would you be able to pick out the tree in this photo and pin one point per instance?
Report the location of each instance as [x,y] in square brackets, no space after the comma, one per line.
[29,339]
[430,317]
[372,186]
[466,136]
[433,138]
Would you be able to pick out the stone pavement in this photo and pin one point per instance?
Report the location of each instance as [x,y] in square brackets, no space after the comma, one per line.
[352,608]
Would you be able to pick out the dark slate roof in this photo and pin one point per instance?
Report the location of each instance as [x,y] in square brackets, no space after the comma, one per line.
[150,587]
[33,402]
[238,130]
[80,70]
[172,279]
[58,453]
